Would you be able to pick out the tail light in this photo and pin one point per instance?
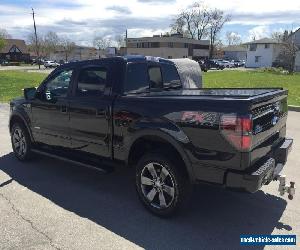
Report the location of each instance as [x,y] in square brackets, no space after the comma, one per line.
[237,130]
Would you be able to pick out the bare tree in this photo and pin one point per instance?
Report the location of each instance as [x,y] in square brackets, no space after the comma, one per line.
[288,51]
[178,25]
[67,47]
[36,47]
[201,19]
[278,36]
[51,42]
[120,40]
[101,43]
[233,38]
[3,35]
[217,21]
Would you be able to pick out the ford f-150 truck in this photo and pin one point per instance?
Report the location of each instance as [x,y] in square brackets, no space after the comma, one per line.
[153,115]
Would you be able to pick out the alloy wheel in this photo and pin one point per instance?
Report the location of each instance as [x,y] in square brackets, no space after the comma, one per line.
[19,142]
[157,185]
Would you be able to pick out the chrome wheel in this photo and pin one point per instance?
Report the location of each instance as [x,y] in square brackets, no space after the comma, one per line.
[157,185]
[19,142]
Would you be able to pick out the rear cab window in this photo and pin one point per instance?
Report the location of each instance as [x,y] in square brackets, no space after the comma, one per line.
[142,77]
[170,76]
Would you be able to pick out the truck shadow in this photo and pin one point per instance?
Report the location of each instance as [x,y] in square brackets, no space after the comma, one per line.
[214,219]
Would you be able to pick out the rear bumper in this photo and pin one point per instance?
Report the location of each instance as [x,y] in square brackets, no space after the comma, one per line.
[263,173]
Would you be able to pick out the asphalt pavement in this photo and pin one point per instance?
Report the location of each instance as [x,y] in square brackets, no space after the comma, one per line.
[49,204]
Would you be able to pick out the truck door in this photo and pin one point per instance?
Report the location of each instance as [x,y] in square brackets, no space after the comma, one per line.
[90,111]
[50,123]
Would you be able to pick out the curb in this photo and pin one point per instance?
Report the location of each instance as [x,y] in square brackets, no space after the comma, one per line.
[294,108]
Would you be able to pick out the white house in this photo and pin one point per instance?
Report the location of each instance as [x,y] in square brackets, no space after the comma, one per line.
[262,53]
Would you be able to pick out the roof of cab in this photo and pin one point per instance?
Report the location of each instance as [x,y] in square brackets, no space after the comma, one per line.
[125,59]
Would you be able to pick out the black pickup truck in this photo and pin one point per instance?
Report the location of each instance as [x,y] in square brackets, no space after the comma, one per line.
[138,112]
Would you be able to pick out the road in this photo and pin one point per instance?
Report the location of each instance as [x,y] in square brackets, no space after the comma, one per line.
[48,204]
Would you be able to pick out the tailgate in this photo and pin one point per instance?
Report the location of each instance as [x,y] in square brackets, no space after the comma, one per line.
[269,125]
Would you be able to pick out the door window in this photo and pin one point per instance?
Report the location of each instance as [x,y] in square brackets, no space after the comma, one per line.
[58,86]
[91,81]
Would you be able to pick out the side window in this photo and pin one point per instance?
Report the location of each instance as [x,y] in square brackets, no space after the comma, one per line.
[155,77]
[91,81]
[136,77]
[170,75]
[58,86]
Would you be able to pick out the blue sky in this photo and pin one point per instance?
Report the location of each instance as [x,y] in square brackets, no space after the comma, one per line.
[82,20]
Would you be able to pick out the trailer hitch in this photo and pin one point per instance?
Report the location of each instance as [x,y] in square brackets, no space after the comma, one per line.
[283,188]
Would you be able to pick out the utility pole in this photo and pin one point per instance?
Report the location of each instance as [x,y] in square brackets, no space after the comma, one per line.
[36,39]
[126,36]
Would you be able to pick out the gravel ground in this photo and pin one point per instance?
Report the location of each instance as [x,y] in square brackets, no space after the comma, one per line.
[49,204]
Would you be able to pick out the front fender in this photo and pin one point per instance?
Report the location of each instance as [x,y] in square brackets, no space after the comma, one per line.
[20,114]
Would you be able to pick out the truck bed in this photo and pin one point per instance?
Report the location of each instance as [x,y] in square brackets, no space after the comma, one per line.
[234,93]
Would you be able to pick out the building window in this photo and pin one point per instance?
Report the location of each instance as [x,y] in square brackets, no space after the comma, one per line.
[257,59]
[169,57]
[155,45]
[253,47]
[267,45]
[200,46]
[170,45]
[186,45]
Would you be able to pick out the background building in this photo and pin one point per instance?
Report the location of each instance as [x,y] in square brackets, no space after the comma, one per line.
[78,53]
[173,46]
[262,53]
[235,52]
[15,50]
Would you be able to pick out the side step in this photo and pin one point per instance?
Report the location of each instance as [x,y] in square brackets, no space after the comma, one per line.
[106,169]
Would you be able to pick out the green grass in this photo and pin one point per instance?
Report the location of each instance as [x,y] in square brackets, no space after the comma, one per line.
[12,83]
[254,79]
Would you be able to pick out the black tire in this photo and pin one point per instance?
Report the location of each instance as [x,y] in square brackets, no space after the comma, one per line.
[175,179]
[21,142]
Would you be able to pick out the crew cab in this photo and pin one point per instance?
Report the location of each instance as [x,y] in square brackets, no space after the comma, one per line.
[153,114]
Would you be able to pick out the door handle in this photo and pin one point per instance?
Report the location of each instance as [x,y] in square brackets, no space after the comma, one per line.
[100,112]
[64,109]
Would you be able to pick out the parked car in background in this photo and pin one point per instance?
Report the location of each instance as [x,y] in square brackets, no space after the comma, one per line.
[4,62]
[226,64]
[61,62]
[204,67]
[51,64]
[214,64]
[239,63]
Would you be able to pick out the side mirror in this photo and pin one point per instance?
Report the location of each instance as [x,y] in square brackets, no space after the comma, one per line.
[29,93]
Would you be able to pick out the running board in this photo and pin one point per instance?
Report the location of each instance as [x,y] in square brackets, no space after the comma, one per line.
[79,163]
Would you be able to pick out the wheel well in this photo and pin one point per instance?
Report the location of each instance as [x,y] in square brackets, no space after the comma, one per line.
[155,144]
[15,119]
